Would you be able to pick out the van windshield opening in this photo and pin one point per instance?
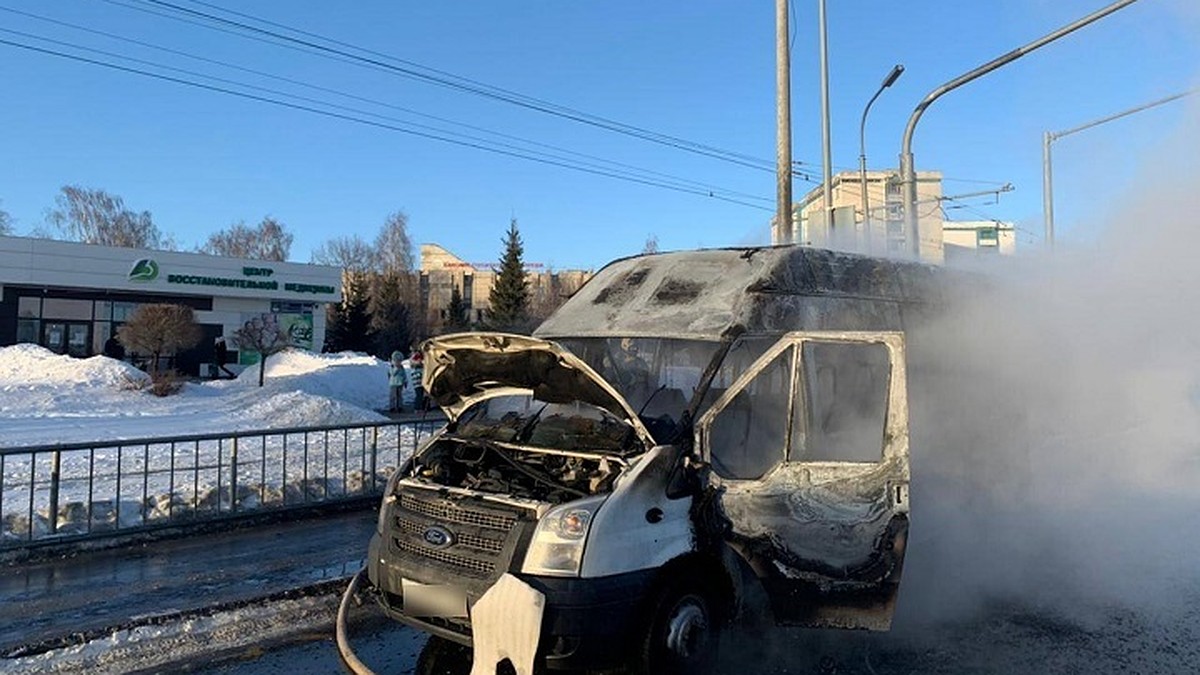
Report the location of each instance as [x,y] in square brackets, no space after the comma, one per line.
[657,376]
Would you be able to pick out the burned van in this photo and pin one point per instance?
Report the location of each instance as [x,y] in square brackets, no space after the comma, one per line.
[693,437]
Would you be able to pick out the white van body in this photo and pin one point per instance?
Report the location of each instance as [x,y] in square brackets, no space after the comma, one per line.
[691,436]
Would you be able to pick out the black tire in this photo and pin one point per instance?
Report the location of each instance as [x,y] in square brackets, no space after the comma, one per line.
[443,657]
[683,631]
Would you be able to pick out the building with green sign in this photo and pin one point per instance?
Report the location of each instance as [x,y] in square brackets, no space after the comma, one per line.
[70,297]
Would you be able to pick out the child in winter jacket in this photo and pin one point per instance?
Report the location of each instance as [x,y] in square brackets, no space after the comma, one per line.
[417,361]
[397,381]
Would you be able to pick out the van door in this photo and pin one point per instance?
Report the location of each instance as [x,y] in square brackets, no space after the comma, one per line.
[809,447]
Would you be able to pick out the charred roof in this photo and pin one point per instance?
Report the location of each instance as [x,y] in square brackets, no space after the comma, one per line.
[711,293]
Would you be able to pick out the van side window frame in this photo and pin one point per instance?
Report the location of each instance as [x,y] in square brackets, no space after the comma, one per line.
[896,411]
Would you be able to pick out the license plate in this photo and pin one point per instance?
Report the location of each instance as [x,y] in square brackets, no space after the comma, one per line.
[433,599]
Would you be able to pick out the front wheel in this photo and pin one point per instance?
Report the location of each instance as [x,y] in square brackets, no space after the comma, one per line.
[443,657]
[683,631]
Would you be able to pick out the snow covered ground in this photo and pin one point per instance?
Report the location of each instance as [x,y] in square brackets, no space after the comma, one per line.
[47,399]
[50,398]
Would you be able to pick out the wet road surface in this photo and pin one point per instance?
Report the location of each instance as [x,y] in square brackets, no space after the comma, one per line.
[90,591]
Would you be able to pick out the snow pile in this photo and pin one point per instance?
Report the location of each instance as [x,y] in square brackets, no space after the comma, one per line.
[300,362]
[349,377]
[49,398]
[28,364]
[300,409]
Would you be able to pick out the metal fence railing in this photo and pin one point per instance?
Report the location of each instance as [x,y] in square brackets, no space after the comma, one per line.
[63,492]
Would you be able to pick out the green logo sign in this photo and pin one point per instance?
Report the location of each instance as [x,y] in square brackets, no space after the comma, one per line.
[144,270]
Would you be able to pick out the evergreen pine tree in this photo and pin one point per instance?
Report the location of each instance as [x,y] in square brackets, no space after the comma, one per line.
[456,312]
[390,314]
[510,291]
[335,329]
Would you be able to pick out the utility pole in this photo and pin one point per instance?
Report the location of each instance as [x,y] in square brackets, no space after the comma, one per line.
[783,119]
[1047,190]
[908,173]
[1051,136]
[826,157]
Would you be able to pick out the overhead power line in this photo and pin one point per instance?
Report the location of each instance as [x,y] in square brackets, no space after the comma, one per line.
[431,75]
[434,76]
[558,151]
[347,116]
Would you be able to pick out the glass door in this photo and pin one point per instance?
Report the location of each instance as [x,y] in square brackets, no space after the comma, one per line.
[78,339]
[67,337]
[54,336]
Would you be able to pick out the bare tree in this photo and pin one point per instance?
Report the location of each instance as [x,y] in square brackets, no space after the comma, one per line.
[159,329]
[264,335]
[393,245]
[96,217]
[6,227]
[351,253]
[269,240]
[551,291]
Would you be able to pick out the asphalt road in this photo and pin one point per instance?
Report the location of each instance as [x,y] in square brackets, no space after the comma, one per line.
[44,601]
[997,641]
[78,595]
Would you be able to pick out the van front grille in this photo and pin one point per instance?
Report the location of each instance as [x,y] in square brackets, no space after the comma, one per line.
[466,539]
[460,561]
[447,513]
[473,537]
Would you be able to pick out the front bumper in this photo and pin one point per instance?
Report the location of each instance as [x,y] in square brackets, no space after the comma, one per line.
[587,623]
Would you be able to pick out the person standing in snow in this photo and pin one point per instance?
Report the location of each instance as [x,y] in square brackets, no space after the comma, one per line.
[417,361]
[113,348]
[221,356]
[397,381]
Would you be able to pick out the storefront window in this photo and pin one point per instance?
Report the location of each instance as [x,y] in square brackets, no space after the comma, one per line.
[122,310]
[55,338]
[77,339]
[27,330]
[101,331]
[103,310]
[28,307]
[62,308]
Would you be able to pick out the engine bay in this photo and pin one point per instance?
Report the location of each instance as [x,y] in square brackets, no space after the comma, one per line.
[490,467]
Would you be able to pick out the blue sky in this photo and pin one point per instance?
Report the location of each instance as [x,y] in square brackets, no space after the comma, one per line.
[701,70]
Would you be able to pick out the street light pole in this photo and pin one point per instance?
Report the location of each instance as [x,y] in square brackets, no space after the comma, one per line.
[908,174]
[1050,136]
[827,157]
[783,127]
[1047,189]
[888,81]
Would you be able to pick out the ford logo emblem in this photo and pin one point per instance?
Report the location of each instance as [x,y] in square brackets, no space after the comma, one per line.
[438,536]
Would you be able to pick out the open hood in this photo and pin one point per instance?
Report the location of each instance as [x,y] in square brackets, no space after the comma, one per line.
[464,368]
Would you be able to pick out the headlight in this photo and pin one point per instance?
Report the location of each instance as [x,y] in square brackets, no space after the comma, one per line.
[381,524]
[557,546]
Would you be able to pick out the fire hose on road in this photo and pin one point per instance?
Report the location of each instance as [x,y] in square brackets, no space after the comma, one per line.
[350,595]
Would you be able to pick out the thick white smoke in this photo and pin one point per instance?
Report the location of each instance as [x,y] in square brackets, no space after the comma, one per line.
[1056,446]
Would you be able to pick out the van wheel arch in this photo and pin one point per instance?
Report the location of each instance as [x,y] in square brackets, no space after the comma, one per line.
[692,600]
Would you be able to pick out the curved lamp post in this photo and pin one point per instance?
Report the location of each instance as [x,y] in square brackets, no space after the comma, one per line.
[888,81]
[908,174]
